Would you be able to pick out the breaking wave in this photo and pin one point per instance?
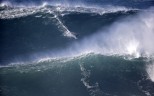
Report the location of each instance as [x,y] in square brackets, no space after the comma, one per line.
[9,12]
[131,36]
[105,50]
[17,12]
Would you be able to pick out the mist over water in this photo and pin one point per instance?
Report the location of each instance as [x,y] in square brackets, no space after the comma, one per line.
[76,48]
[130,36]
[55,14]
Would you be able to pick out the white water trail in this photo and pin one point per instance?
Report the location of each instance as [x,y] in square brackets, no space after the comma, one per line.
[66,33]
[131,36]
[93,89]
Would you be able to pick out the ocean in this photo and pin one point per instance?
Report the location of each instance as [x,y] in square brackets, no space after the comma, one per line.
[76,48]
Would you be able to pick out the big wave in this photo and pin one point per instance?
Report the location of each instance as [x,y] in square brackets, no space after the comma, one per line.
[116,60]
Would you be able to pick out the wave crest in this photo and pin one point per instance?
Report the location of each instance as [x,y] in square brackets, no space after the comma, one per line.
[17,12]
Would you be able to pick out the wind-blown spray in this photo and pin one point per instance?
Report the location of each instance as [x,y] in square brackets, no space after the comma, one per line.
[132,36]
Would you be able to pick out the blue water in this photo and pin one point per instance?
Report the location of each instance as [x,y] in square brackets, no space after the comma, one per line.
[76,48]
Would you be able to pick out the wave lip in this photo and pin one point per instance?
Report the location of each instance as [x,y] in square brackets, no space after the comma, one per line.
[107,69]
[18,12]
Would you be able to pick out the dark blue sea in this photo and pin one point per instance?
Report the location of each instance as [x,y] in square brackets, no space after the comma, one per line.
[76,48]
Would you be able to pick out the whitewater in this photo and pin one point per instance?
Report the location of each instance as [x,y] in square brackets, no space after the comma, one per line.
[77,48]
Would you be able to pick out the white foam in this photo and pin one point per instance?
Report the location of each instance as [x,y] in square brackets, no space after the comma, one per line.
[93,89]
[66,33]
[150,71]
[16,12]
[93,9]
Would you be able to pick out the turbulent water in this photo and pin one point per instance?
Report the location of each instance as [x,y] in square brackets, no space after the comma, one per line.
[76,48]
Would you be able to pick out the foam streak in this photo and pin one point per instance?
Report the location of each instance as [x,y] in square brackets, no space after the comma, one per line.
[67,33]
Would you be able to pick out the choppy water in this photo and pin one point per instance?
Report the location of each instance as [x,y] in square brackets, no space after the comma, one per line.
[76,48]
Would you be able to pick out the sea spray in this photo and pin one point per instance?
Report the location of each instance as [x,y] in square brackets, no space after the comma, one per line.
[130,36]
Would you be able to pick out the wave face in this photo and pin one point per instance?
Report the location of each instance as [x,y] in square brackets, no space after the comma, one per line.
[86,75]
[76,48]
